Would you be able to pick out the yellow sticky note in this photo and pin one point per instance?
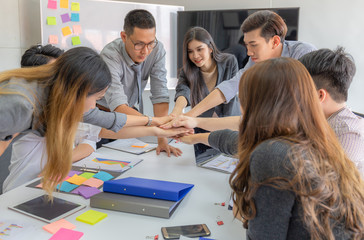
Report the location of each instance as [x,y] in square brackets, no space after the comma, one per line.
[51,21]
[55,226]
[66,31]
[53,39]
[75,179]
[136,146]
[75,6]
[76,40]
[91,217]
[64,4]
[77,29]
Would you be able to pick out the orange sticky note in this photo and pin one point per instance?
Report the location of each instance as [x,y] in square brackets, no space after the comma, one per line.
[64,4]
[53,39]
[93,182]
[66,31]
[75,179]
[136,146]
[55,226]
[75,6]
[77,29]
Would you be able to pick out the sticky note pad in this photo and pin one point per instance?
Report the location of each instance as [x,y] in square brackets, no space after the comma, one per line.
[75,179]
[75,17]
[93,182]
[87,192]
[66,31]
[75,6]
[71,173]
[53,39]
[52,4]
[64,3]
[91,217]
[66,186]
[104,176]
[77,29]
[76,40]
[68,234]
[87,175]
[55,226]
[65,17]
[51,21]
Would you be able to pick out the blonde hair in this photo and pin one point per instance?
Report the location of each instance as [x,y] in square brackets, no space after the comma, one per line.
[279,101]
[75,75]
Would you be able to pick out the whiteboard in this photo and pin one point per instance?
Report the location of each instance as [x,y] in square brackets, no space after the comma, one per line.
[102,21]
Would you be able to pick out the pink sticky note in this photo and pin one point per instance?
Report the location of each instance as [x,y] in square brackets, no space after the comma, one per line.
[68,234]
[93,182]
[66,31]
[77,29]
[53,39]
[55,226]
[52,4]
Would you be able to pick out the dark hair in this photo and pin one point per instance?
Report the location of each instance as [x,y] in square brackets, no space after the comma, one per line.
[139,18]
[192,72]
[331,70]
[83,63]
[38,55]
[269,22]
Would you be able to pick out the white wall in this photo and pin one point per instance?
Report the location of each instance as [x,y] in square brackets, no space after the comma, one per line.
[324,23]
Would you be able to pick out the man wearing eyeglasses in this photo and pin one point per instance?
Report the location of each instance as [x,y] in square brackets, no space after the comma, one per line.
[132,59]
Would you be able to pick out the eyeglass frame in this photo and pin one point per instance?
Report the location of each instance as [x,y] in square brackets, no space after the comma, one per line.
[149,45]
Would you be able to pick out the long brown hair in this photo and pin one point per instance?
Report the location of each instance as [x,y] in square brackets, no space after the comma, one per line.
[279,101]
[78,73]
[192,72]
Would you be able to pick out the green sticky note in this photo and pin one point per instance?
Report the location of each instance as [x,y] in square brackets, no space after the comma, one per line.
[51,21]
[87,175]
[76,40]
[91,217]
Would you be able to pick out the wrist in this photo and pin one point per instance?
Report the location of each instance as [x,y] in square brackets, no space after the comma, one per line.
[149,120]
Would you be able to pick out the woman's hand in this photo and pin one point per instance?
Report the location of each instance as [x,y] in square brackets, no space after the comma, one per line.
[181,121]
[194,138]
[173,132]
[157,121]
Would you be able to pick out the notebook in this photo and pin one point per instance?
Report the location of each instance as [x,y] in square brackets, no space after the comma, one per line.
[131,145]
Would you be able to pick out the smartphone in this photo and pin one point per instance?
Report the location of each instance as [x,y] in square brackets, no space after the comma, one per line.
[197,230]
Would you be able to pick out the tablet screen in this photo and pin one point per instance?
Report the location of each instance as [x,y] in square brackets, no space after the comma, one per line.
[46,210]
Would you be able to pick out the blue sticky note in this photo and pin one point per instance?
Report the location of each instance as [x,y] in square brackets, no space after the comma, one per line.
[104,176]
[75,17]
[67,187]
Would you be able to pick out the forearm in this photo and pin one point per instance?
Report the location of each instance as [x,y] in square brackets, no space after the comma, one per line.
[179,105]
[196,138]
[81,151]
[128,132]
[127,110]
[160,109]
[216,97]
[213,124]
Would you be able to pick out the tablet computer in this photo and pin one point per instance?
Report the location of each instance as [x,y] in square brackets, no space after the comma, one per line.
[43,209]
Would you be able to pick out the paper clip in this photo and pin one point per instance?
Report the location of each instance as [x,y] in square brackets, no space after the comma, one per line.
[85,169]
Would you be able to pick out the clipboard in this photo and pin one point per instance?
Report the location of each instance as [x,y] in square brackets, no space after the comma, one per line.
[221,163]
[131,145]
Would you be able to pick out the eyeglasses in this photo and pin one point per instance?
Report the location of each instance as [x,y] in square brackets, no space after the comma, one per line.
[140,46]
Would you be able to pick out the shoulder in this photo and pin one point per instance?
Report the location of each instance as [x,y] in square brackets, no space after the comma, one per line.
[297,49]
[346,121]
[270,159]
[228,60]
[113,48]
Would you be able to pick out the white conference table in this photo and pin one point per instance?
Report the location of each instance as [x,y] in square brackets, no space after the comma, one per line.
[198,206]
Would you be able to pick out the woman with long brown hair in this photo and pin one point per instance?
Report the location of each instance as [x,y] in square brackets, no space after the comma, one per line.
[293,180]
[51,100]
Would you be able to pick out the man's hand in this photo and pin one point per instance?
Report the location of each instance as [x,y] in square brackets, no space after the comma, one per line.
[195,138]
[164,147]
[157,121]
[173,132]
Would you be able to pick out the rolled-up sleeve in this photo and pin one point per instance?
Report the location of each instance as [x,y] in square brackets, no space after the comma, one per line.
[16,115]
[230,87]
[182,88]
[226,141]
[158,77]
[115,95]
[113,121]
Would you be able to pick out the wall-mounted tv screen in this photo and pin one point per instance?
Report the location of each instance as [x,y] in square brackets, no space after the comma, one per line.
[224,25]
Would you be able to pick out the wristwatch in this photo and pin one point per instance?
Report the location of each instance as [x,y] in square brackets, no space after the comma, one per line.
[150,119]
